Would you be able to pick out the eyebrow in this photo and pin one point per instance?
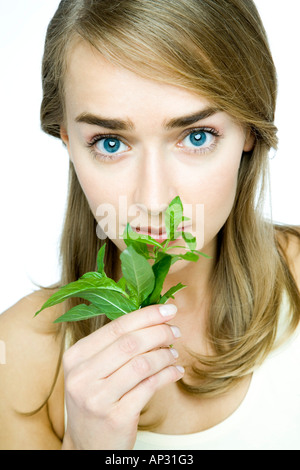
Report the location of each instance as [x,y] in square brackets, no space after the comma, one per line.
[114,124]
[191,119]
[122,125]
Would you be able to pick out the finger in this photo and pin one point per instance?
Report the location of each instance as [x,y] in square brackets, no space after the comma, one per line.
[136,399]
[130,345]
[105,336]
[138,369]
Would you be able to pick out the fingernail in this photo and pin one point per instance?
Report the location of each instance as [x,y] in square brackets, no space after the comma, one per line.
[174,352]
[180,369]
[167,310]
[176,331]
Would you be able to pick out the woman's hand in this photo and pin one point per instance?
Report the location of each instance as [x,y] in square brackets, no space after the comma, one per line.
[111,374]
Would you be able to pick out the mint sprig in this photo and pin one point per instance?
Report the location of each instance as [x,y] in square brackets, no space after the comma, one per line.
[141,284]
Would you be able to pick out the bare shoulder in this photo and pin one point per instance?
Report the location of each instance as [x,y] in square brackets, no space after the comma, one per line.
[289,239]
[31,347]
[23,312]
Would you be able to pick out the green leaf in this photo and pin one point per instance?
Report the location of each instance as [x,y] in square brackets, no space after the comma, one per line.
[100,259]
[171,292]
[175,258]
[109,302]
[202,254]
[77,288]
[140,248]
[189,239]
[173,217]
[133,295]
[93,275]
[80,312]
[160,269]
[189,256]
[133,238]
[122,284]
[138,272]
[84,312]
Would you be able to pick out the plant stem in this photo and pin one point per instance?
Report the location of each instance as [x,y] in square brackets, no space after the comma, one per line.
[166,246]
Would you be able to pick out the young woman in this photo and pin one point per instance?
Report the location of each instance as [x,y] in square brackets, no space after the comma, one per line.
[155,99]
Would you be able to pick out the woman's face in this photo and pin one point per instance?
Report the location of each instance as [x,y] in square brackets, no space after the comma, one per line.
[136,144]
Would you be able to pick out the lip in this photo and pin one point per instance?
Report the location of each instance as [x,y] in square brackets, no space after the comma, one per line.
[156,233]
[153,231]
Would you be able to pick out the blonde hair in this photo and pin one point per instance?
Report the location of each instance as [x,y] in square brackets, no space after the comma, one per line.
[219,50]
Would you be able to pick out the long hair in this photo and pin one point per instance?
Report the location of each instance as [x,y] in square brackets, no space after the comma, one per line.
[219,50]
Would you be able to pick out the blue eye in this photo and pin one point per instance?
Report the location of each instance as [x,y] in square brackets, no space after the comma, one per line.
[198,139]
[110,145]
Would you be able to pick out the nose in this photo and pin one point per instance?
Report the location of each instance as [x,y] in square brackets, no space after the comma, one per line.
[154,186]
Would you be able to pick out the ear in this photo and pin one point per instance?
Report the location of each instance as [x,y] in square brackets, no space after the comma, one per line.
[249,141]
[64,135]
[65,139]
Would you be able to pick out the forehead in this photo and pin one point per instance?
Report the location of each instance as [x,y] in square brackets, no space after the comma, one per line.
[93,83]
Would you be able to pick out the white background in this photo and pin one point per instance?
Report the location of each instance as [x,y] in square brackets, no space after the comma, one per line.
[34,166]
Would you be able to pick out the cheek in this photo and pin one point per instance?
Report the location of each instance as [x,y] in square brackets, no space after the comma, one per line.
[221,190]
[102,201]
[101,195]
[91,185]
[94,185]
[216,190]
